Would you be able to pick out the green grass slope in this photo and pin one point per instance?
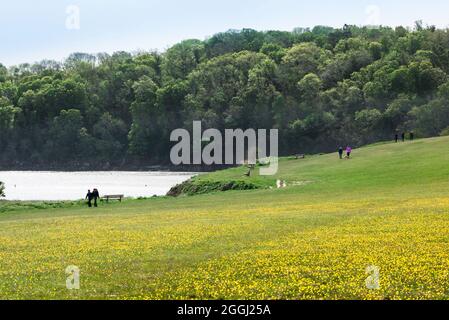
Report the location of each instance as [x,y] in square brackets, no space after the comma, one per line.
[387,207]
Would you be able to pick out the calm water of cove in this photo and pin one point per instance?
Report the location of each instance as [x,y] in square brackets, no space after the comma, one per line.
[36,185]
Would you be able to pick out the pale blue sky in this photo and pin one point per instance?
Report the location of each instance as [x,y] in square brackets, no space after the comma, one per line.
[33,30]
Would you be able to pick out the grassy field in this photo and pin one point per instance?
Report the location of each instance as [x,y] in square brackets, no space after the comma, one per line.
[387,207]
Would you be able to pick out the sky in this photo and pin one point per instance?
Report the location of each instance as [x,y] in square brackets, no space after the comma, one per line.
[33,30]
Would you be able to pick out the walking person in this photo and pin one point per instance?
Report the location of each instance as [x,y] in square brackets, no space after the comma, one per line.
[412,136]
[348,152]
[89,198]
[396,138]
[340,152]
[403,136]
[96,196]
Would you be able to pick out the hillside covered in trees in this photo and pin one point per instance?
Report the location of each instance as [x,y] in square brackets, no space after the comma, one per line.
[321,87]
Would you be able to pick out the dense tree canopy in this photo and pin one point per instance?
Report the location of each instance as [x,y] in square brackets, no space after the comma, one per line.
[321,87]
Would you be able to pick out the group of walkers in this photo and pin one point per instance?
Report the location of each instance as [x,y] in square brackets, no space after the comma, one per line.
[92,195]
[348,152]
[411,136]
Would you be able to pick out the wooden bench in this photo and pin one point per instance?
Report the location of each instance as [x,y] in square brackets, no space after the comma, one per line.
[113,197]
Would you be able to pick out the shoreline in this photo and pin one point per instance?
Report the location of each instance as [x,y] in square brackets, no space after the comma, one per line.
[110,168]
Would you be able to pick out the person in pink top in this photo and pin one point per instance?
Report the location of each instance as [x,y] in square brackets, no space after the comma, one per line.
[348,152]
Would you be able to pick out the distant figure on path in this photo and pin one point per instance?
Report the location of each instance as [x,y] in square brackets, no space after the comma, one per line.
[403,136]
[340,152]
[396,138]
[348,152]
[281,184]
[96,196]
[412,136]
[89,198]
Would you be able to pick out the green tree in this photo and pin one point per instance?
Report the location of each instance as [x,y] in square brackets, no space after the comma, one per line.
[430,119]
[111,137]
[143,135]
[301,60]
[181,59]
[397,111]
[8,117]
[310,87]
[367,120]
[66,134]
